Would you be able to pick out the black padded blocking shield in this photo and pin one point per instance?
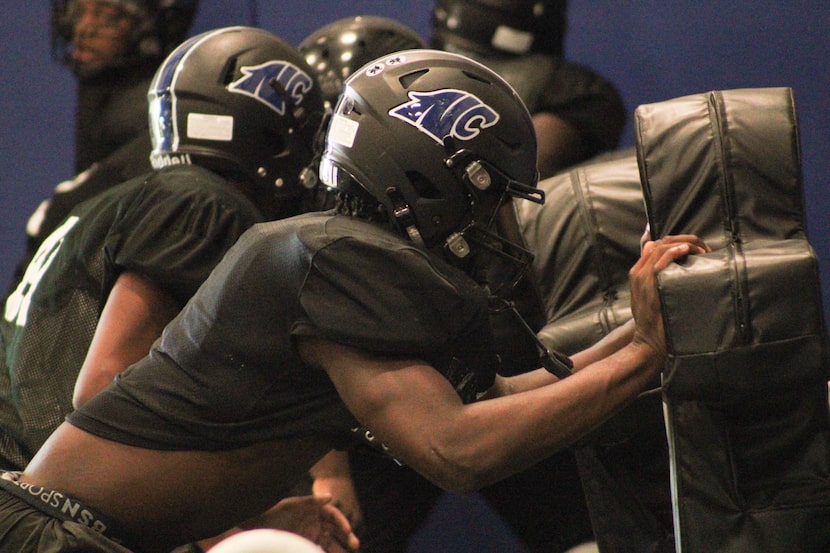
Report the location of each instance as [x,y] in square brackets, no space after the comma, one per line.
[745,387]
[585,238]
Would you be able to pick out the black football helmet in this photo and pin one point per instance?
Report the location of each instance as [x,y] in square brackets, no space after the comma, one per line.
[240,101]
[338,49]
[160,26]
[440,142]
[499,27]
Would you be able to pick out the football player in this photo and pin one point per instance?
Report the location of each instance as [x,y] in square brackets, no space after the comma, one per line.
[371,322]
[577,112]
[113,47]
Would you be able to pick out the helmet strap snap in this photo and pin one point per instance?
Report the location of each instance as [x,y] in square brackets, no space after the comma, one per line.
[478,175]
[457,245]
[403,215]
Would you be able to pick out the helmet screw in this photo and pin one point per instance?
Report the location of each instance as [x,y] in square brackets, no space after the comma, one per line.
[279,182]
[261,172]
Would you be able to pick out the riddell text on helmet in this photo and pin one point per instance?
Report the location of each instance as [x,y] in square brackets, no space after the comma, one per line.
[167,160]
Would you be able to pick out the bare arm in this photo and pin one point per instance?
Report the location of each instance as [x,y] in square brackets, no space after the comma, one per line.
[411,407]
[559,144]
[135,314]
[415,411]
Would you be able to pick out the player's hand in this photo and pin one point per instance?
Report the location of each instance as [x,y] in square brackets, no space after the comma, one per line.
[645,300]
[315,518]
[341,490]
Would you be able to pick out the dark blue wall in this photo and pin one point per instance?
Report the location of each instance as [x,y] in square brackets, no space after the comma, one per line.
[652,49]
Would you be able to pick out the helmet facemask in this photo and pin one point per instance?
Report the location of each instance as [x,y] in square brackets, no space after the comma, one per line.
[493,260]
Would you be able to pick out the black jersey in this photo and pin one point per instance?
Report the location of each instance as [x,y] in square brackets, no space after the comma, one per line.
[171,226]
[225,373]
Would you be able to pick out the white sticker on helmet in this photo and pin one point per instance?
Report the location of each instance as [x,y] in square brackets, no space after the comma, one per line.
[342,131]
[203,126]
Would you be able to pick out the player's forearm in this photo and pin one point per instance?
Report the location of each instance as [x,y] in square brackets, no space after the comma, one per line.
[613,342]
[496,438]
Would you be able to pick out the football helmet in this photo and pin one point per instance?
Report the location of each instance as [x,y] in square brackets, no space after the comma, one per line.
[240,101]
[499,27]
[160,25]
[338,49]
[440,142]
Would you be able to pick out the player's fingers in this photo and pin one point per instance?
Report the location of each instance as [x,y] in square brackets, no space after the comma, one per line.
[335,540]
[667,254]
[337,526]
[698,245]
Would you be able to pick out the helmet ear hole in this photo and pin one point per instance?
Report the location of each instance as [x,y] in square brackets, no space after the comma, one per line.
[424,187]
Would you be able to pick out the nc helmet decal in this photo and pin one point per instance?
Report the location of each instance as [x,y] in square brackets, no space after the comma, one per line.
[256,82]
[446,112]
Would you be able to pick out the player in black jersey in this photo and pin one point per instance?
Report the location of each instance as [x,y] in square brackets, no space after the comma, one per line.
[162,232]
[105,283]
[577,112]
[113,47]
[371,322]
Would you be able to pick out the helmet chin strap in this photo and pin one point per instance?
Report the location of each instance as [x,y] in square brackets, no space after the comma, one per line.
[554,362]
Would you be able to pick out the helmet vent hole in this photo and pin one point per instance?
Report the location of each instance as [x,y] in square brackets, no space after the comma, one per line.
[229,71]
[408,79]
[423,186]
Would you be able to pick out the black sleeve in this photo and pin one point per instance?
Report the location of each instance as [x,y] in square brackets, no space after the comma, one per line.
[394,301]
[401,301]
[178,230]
